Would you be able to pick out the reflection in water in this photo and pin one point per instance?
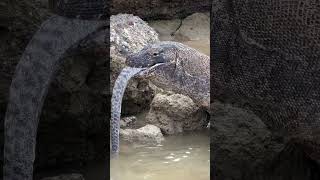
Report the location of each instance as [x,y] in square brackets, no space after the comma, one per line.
[178,157]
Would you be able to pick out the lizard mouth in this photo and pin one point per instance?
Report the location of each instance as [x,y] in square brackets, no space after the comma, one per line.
[149,71]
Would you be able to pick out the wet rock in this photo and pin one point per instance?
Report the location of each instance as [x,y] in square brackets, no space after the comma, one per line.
[127,121]
[175,113]
[129,34]
[160,9]
[194,27]
[240,143]
[148,134]
[166,28]
[65,177]
[193,31]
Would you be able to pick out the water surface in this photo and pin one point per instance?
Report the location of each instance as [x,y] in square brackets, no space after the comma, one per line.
[184,156]
[200,45]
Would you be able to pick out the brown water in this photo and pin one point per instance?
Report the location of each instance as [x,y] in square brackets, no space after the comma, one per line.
[201,45]
[184,157]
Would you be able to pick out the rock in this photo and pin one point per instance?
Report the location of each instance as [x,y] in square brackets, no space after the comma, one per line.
[175,113]
[193,31]
[129,34]
[240,143]
[194,27]
[160,9]
[127,121]
[65,177]
[148,134]
[166,28]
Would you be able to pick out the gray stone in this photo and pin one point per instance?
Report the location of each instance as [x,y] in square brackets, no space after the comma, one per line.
[127,121]
[193,31]
[148,134]
[175,113]
[129,33]
[165,28]
[194,27]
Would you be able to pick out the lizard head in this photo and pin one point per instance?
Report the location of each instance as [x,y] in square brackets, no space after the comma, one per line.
[164,67]
[159,61]
[159,53]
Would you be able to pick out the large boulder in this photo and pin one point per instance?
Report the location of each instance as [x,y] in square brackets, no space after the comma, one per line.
[129,34]
[175,113]
[166,28]
[194,27]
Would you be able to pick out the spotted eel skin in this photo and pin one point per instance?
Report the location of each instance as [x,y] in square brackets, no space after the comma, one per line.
[56,37]
[116,101]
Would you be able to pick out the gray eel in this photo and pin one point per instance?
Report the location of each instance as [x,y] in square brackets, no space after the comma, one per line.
[56,38]
[116,101]
[176,67]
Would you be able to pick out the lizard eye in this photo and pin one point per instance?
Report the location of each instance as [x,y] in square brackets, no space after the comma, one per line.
[155,54]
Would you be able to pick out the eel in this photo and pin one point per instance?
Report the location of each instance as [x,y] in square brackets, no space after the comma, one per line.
[116,102]
[56,38]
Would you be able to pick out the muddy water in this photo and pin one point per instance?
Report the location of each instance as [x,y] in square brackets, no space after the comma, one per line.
[201,45]
[178,157]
